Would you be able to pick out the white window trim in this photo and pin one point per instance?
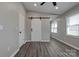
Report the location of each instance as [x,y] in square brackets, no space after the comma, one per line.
[67,18]
[54,27]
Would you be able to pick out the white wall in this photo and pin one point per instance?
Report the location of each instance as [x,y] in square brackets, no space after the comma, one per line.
[9,20]
[22,23]
[61,35]
[29,21]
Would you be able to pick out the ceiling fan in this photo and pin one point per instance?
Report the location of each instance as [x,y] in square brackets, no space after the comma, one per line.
[54,3]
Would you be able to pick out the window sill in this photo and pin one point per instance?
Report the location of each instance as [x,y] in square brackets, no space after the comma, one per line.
[53,32]
[73,36]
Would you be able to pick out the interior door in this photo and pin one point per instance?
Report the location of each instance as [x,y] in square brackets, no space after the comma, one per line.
[36,30]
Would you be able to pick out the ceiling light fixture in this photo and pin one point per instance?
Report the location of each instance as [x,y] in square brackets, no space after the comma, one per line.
[54,4]
[35,4]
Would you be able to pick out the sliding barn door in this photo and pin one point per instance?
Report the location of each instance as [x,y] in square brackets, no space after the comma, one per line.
[35,30]
[45,29]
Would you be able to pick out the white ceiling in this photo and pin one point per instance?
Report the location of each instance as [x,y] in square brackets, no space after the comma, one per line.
[49,8]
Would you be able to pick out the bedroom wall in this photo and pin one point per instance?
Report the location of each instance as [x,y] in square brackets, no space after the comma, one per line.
[9,27]
[61,35]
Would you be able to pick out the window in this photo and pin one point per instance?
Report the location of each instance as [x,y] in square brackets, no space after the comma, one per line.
[73,25]
[54,27]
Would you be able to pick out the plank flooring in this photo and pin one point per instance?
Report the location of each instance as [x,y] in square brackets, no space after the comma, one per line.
[53,48]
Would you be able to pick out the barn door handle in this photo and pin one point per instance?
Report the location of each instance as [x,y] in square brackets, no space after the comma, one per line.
[31,29]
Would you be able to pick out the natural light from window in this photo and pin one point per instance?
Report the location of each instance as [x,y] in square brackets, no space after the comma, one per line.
[73,25]
[54,27]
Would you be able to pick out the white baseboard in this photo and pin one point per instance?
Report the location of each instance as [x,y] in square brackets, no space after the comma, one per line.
[38,41]
[14,53]
[25,42]
[68,44]
[17,50]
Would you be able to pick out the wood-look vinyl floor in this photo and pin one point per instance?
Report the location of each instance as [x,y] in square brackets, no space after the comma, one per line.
[53,48]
